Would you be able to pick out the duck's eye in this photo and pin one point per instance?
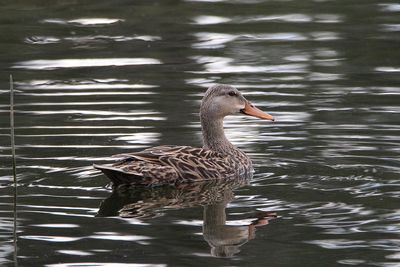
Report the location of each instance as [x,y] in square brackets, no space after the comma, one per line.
[232,93]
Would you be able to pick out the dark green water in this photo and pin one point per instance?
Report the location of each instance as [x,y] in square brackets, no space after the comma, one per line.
[96,78]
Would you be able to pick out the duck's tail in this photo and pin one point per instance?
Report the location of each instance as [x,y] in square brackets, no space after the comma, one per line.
[118,177]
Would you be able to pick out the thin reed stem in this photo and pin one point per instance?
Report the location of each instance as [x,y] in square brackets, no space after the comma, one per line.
[14,167]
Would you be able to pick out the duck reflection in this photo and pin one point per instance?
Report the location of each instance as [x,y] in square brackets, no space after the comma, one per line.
[150,202]
[225,240]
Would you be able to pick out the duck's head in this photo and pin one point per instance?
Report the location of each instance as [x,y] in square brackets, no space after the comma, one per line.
[221,100]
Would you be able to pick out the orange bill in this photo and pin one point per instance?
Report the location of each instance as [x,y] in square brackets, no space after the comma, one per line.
[251,110]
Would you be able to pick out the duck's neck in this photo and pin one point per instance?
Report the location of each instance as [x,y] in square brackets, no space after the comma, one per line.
[214,136]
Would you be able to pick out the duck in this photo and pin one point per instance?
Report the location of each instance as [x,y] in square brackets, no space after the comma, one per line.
[173,164]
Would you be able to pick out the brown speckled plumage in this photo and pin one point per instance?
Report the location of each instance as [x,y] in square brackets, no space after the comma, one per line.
[218,159]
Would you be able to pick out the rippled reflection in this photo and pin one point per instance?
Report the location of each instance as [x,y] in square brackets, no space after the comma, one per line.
[225,65]
[43,64]
[6,247]
[98,84]
[390,7]
[224,239]
[205,20]
[42,40]
[84,21]
[98,264]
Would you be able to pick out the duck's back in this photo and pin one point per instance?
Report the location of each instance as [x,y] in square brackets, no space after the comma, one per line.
[170,164]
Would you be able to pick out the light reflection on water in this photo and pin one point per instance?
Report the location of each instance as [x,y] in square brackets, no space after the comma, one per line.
[104,83]
[98,84]
[215,65]
[84,22]
[42,64]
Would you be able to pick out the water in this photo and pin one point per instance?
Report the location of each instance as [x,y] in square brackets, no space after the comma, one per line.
[97,78]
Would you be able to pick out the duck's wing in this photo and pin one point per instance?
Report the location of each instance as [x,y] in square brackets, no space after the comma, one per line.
[168,164]
[190,163]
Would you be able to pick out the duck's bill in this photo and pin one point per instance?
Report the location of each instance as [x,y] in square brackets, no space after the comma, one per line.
[251,110]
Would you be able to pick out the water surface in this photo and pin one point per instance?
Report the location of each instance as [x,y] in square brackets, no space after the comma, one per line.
[96,78]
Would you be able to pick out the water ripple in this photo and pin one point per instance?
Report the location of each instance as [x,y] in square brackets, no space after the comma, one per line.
[43,40]
[112,93]
[211,40]
[295,18]
[51,64]
[329,165]
[390,7]
[104,264]
[98,84]
[90,112]
[383,244]
[118,236]
[56,225]
[84,21]
[208,40]
[388,69]
[50,238]
[226,65]
[75,252]
[207,20]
